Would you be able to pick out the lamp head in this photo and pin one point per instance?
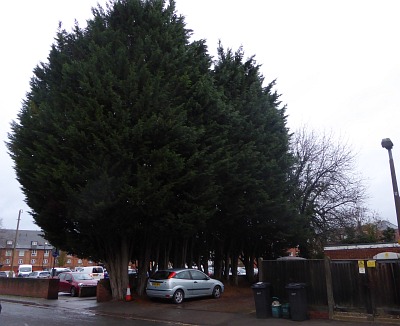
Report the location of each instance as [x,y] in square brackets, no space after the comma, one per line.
[387,143]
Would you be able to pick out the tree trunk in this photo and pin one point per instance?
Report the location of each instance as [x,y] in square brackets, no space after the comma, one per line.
[226,267]
[218,263]
[248,261]
[234,265]
[117,265]
[189,254]
[144,264]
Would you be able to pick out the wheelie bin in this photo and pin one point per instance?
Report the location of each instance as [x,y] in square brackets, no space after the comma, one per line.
[262,299]
[297,293]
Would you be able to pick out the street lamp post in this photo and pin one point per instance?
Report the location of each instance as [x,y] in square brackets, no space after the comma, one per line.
[387,143]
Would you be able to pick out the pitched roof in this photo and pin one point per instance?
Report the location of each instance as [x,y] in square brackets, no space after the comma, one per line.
[24,239]
[383,225]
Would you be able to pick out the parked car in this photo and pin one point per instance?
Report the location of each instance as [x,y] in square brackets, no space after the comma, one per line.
[181,283]
[57,270]
[8,273]
[74,282]
[3,274]
[241,271]
[24,270]
[132,271]
[39,274]
[96,272]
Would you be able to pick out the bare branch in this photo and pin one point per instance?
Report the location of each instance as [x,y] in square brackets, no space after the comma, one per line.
[328,186]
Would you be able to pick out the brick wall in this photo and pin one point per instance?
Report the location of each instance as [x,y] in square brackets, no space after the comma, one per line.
[103,291]
[367,251]
[104,288]
[29,287]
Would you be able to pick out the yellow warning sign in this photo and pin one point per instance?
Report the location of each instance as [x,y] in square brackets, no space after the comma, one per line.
[361,264]
[371,263]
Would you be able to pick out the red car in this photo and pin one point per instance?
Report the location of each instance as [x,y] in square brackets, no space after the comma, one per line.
[76,283]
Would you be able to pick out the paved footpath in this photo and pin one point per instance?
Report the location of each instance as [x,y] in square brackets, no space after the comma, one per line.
[194,312]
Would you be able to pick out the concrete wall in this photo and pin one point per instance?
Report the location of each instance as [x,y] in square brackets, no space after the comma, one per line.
[30,287]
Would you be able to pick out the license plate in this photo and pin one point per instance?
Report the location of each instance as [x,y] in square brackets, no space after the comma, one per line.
[156,283]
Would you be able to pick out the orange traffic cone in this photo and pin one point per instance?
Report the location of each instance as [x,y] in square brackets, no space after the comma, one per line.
[128,296]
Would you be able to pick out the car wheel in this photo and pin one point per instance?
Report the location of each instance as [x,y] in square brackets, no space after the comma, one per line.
[73,291]
[178,296]
[217,292]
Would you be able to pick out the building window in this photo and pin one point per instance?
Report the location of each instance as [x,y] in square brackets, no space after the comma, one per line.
[8,252]
[45,261]
[7,261]
[20,261]
[46,253]
[79,261]
[34,253]
[68,261]
[21,253]
[9,242]
[34,243]
[33,261]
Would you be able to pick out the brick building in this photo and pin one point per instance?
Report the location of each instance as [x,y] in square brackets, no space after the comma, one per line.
[32,248]
[360,251]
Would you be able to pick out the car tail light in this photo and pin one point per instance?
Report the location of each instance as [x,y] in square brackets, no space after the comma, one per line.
[171,275]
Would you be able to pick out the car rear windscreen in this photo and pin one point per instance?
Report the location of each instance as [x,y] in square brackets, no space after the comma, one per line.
[160,275]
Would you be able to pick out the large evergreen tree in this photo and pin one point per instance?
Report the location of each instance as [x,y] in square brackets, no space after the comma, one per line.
[254,213]
[128,146]
[113,141]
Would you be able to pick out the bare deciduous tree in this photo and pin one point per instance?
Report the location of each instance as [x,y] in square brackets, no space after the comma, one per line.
[328,188]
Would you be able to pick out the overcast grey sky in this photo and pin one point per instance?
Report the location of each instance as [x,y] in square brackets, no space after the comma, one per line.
[337,65]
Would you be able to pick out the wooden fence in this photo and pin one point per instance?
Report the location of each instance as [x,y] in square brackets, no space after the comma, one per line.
[371,287]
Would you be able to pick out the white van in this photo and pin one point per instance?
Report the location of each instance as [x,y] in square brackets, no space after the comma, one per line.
[24,270]
[97,272]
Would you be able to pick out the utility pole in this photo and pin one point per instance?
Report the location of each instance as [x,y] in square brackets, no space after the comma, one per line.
[14,245]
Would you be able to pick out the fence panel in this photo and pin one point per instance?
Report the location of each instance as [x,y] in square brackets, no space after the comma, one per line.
[373,292]
[310,272]
[385,286]
[349,286]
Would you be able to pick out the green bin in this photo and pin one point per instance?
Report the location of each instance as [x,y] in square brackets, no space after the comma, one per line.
[286,310]
[276,308]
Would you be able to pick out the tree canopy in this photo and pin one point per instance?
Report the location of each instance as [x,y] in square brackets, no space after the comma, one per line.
[133,144]
[328,189]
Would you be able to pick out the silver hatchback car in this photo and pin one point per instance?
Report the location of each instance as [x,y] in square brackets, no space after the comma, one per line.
[180,283]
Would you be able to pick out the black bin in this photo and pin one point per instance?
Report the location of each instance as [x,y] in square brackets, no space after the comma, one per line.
[298,300]
[262,299]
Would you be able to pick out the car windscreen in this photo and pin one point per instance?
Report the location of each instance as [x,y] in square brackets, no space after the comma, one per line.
[82,276]
[161,275]
[57,272]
